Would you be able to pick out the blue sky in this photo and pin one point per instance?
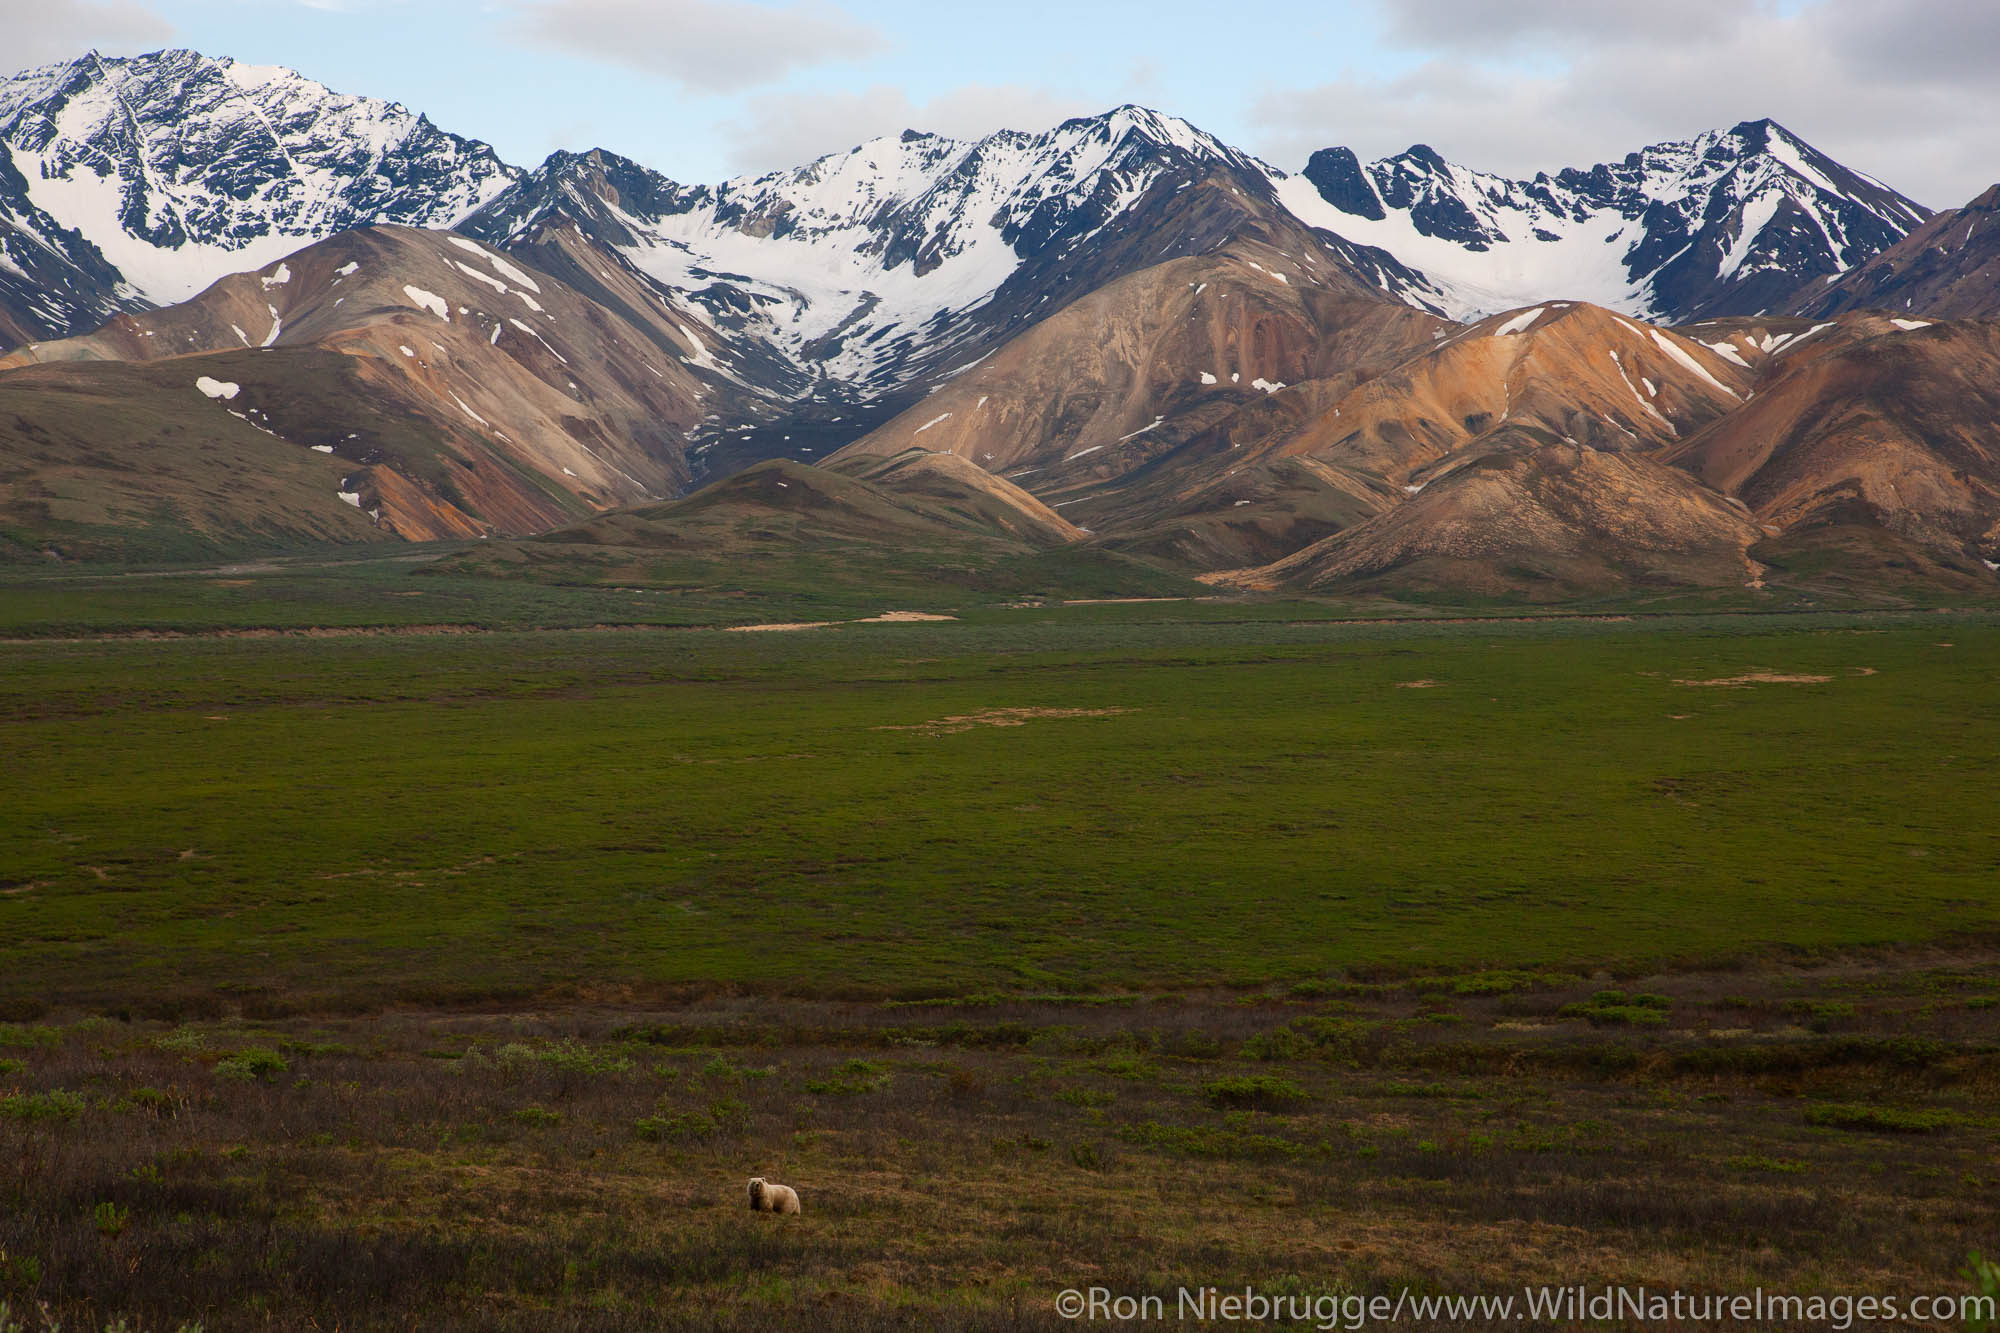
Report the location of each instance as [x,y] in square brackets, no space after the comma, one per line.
[703,89]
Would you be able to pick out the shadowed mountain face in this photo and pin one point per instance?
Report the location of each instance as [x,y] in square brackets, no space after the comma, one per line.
[1949,267]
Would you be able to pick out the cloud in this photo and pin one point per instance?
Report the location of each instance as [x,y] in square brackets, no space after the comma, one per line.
[787,129]
[706,46]
[1901,89]
[1479,25]
[50,30]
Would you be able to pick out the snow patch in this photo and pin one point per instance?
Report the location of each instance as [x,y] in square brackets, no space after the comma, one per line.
[1680,354]
[932,422]
[430,301]
[217,388]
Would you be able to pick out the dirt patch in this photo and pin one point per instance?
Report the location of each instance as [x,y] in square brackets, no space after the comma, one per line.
[999,717]
[1759,678]
[1416,684]
[886,618]
[1119,601]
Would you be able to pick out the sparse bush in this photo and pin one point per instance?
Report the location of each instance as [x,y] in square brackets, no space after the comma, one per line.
[1821,1015]
[255,1064]
[1128,1065]
[163,1102]
[12,1067]
[850,1078]
[181,1041]
[41,1106]
[1883,1119]
[565,1057]
[1314,1037]
[1192,1046]
[535,1115]
[21,1272]
[723,1115]
[1087,1156]
[1255,1092]
[1614,1006]
[111,1220]
[1985,1276]
[965,1084]
[22,1034]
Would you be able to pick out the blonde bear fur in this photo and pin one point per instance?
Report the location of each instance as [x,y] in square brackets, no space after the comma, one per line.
[772,1198]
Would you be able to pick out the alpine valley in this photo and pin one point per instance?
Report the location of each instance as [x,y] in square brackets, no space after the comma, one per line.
[243,314]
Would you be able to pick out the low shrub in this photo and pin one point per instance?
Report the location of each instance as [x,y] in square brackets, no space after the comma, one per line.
[850,1078]
[41,1106]
[1614,1006]
[1881,1119]
[1255,1092]
[255,1064]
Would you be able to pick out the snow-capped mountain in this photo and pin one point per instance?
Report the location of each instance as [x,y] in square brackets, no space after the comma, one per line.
[867,268]
[126,183]
[1730,222]
[153,176]
[854,285]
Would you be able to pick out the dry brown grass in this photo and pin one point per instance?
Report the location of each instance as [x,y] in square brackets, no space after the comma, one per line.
[961,1163]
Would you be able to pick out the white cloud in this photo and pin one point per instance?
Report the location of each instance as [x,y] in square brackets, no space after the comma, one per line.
[706,46]
[786,129]
[46,31]
[1900,89]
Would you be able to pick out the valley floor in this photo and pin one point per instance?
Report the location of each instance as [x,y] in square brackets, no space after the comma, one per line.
[458,976]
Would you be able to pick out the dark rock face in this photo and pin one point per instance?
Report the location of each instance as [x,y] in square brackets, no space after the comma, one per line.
[52,280]
[1336,173]
[1949,267]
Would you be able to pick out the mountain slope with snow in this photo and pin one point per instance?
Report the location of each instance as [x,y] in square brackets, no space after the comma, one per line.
[1730,222]
[1949,267]
[868,278]
[158,174]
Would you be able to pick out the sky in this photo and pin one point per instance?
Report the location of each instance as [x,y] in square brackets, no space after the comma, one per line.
[706,89]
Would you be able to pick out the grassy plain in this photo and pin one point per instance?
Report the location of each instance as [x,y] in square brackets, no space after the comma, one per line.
[1566,949]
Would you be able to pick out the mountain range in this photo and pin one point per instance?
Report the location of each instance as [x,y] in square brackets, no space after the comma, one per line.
[1397,374]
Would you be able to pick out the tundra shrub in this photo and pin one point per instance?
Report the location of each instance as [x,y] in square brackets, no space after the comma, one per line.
[257,1064]
[1255,1092]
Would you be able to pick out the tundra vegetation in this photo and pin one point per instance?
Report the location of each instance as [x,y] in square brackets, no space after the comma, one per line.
[449,960]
